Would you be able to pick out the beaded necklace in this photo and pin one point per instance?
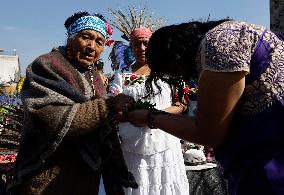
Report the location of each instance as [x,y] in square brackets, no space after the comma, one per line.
[90,70]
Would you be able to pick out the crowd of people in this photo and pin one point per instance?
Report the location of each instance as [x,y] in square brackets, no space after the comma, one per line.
[79,127]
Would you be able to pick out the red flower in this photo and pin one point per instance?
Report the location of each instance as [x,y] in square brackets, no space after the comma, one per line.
[186,89]
[109,42]
[133,77]
[109,29]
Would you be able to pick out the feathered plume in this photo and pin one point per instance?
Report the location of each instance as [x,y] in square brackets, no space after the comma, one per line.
[130,19]
[121,56]
[126,21]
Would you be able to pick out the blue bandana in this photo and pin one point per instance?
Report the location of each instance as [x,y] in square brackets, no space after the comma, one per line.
[88,22]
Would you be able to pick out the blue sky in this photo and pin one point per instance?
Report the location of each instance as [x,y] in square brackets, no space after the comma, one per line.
[34,27]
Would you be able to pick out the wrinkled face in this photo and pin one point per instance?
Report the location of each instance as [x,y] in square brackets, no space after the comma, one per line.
[86,47]
[139,47]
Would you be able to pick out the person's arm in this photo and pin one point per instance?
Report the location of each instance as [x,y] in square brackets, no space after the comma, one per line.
[218,95]
[89,116]
[94,113]
[177,108]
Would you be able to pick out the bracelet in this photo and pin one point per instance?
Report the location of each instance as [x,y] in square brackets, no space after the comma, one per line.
[151,117]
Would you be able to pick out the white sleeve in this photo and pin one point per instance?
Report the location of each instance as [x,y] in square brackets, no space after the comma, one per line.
[115,86]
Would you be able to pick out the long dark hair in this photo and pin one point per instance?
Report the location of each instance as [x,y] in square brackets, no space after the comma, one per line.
[175,46]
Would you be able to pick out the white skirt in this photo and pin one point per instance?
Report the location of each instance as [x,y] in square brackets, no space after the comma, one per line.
[162,173]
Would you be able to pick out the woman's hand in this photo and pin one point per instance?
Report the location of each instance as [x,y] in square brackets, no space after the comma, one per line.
[138,117]
[123,103]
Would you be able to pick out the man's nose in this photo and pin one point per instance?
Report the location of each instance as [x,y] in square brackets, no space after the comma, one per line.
[142,47]
[92,44]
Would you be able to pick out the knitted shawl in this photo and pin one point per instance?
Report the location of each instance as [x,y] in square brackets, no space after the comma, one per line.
[51,94]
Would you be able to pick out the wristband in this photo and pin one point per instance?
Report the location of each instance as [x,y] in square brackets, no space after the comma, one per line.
[151,117]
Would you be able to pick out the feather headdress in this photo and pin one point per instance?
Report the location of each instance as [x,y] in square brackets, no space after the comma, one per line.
[121,56]
[126,21]
[132,18]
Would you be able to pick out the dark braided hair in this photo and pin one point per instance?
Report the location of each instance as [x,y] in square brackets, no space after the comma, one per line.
[171,52]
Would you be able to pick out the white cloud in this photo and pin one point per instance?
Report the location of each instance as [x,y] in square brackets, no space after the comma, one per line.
[11,29]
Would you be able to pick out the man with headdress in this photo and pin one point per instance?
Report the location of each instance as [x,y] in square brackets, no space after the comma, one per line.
[67,140]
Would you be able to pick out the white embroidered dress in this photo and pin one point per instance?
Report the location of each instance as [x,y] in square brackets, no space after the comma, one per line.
[152,155]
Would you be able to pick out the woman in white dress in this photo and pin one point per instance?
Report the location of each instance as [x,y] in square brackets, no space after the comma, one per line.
[153,156]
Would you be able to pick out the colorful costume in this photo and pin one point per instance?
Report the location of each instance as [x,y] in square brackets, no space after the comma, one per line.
[238,46]
[152,155]
[67,140]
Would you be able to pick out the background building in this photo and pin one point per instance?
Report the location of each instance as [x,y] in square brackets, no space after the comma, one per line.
[10,71]
[10,67]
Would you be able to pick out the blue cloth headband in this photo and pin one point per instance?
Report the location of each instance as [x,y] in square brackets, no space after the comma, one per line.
[88,22]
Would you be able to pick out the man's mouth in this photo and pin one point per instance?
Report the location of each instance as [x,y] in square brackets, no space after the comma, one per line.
[87,55]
